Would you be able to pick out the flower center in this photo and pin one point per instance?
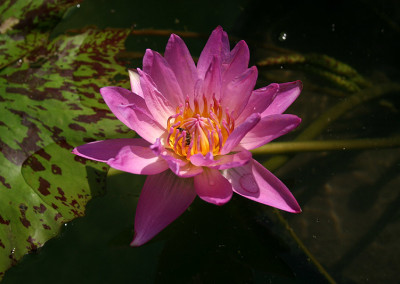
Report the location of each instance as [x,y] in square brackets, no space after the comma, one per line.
[195,131]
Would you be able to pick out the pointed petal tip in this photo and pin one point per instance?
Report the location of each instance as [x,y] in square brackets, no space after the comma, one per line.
[104,90]
[174,37]
[291,208]
[75,151]
[132,244]
[137,242]
[163,199]
[133,73]
[299,83]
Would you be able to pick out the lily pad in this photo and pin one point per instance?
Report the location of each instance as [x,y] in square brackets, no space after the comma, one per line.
[50,103]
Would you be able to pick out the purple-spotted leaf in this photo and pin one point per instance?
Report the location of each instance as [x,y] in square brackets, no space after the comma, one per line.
[23,26]
[22,15]
[50,103]
[64,182]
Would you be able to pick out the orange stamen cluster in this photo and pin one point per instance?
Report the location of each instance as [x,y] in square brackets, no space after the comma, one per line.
[199,131]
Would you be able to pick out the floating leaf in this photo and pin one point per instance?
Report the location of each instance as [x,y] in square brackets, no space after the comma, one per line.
[27,15]
[50,103]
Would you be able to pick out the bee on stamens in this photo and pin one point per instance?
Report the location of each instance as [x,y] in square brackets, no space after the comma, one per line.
[187,137]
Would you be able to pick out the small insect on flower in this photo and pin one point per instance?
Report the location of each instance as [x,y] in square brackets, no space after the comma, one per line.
[197,124]
[187,136]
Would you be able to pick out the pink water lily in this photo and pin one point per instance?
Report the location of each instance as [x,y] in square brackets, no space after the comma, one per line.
[197,125]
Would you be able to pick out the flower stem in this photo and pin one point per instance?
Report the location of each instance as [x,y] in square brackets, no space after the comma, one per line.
[327,145]
[310,256]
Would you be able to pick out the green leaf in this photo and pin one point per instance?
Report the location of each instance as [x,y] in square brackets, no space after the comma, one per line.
[27,15]
[50,103]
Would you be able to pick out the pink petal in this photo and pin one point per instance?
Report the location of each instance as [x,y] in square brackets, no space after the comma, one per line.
[135,82]
[202,161]
[181,62]
[216,46]
[259,100]
[158,105]
[141,121]
[237,93]
[116,96]
[268,129]
[222,162]
[129,155]
[232,160]
[212,187]
[105,150]
[188,170]
[180,166]
[164,198]
[136,159]
[286,95]
[239,132]
[255,182]
[163,77]
[237,62]
[212,82]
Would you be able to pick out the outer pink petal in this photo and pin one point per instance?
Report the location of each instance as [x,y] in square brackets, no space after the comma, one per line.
[255,182]
[286,95]
[217,45]
[236,94]
[116,96]
[259,100]
[239,132]
[141,121]
[129,155]
[138,160]
[212,187]
[181,62]
[164,198]
[163,77]
[158,105]
[105,150]
[135,82]
[268,129]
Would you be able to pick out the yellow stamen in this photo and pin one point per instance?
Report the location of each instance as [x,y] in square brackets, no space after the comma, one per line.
[199,131]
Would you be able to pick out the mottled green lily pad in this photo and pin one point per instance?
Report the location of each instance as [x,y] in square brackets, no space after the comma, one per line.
[50,103]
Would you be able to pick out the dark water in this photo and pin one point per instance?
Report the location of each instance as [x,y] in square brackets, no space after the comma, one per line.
[350,198]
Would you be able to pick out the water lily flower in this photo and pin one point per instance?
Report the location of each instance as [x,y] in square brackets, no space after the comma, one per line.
[197,125]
